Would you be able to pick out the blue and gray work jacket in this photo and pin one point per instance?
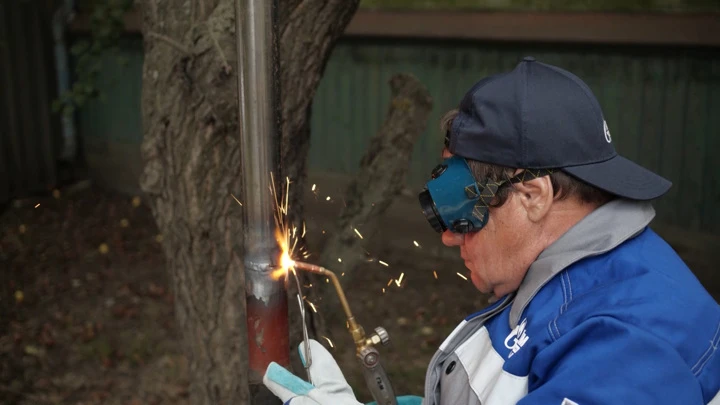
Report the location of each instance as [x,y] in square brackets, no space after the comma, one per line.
[608,314]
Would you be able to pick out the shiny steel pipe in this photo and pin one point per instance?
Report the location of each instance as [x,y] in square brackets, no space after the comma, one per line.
[258,116]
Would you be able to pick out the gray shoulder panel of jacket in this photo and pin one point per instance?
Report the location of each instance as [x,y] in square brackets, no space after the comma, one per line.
[448,347]
[599,232]
[456,386]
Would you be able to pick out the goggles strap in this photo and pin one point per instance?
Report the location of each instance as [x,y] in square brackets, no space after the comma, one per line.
[530,174]
[489,189]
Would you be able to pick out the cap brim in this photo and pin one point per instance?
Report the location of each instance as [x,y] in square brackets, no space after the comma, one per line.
[622,177]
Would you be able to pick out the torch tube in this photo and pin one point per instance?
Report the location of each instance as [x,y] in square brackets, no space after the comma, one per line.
[313,268]
[356,330]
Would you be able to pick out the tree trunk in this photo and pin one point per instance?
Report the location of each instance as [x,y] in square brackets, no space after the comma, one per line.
[192,163]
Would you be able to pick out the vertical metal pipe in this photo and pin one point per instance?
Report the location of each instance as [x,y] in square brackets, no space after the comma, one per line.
[258,90]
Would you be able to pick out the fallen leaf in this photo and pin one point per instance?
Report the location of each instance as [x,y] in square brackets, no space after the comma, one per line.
[88,332]
[34,351]
[46,335]
[155,290]
[99,396]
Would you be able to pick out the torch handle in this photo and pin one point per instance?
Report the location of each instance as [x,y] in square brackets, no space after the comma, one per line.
[375,376]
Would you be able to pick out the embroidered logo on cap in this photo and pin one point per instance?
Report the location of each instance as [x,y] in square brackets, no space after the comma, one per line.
[608,138]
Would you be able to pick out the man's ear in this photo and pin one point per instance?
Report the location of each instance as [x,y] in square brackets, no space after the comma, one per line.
[536,196]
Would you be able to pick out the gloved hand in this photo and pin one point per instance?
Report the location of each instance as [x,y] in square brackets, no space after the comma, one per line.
[330,387]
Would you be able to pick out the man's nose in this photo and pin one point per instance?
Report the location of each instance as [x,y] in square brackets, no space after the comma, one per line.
[452,239]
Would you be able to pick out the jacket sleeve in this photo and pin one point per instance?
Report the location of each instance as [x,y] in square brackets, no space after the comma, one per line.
[605,361]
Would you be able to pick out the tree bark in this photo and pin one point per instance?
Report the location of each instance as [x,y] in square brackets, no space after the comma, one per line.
[192,163]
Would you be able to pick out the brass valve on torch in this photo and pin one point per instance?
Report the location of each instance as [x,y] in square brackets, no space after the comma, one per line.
[375,376]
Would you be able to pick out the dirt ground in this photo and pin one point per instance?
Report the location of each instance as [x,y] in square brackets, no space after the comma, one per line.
[88,316]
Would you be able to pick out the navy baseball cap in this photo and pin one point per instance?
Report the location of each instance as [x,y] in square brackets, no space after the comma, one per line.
[539,116]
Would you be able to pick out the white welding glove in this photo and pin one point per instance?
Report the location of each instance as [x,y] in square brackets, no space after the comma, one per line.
[330,387]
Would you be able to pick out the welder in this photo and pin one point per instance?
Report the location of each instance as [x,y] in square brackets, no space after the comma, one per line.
[591,306]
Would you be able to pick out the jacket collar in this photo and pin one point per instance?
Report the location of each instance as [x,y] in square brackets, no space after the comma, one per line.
[599,232]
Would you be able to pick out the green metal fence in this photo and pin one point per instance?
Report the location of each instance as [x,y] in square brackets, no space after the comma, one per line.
[29,137]
[661,104]
[662,107]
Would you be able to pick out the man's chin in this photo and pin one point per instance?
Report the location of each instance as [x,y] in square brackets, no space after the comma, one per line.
[482,287]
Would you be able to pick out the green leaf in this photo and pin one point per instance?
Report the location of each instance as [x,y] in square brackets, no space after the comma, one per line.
[69,109]
[57,105]
[79,47]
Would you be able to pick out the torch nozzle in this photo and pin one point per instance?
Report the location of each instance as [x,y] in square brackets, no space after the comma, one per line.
[355,329]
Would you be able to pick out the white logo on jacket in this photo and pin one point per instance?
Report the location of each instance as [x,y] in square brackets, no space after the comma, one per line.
[518,337]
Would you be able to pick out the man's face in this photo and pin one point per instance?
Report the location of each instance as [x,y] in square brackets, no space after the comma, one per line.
[495,255]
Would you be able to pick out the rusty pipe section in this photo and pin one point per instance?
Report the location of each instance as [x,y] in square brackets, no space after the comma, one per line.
[258,115]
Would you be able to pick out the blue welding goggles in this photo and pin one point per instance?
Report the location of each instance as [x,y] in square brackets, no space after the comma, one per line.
[453,200]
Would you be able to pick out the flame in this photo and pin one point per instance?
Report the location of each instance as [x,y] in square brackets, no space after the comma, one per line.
[285,260]
[285,232]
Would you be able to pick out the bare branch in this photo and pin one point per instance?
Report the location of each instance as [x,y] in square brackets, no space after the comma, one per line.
[175,44]
[226,66]
[202,15]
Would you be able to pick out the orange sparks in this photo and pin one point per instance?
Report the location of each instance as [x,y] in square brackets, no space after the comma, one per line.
[285,233]
[329,341]
[435,274]
[357,232]
[383,263]
[461,276]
